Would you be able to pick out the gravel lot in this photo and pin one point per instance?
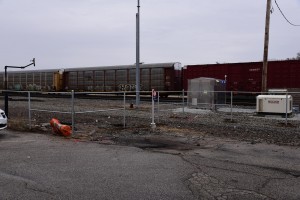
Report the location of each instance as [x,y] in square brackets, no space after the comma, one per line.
[107,126]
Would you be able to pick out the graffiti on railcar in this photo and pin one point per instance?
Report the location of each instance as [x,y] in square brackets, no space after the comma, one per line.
[31,87]
[34,87]
[129,87]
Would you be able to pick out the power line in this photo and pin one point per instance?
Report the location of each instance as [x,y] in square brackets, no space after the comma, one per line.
[284,15]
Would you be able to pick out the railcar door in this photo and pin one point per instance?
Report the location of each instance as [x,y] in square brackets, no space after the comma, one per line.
[58,81]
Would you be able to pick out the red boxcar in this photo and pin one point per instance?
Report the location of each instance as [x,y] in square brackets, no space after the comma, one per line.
[248,76]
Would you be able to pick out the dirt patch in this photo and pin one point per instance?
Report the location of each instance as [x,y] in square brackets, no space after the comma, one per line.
[283,124]
[109,128]
[149,142]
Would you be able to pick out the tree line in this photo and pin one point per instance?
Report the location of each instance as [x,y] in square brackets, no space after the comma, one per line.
[295,58]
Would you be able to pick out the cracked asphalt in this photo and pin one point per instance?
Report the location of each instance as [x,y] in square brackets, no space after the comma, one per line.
[43,166]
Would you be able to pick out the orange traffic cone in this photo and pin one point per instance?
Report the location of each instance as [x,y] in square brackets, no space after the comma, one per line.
[59,128]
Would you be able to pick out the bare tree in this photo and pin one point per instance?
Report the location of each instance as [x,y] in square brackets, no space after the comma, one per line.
[295,58]
[298,56]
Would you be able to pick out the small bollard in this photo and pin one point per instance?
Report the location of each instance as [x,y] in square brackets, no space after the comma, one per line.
[153,125]
[131,105]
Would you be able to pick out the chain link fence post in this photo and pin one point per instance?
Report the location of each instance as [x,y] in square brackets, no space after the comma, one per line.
[152,123]
[73,112]
[231,100]
[286,109]
[157,107]
[183,101]
[124,120]
[29,110]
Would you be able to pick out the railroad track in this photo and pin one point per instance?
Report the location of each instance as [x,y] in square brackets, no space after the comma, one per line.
[14,96]
[147,98]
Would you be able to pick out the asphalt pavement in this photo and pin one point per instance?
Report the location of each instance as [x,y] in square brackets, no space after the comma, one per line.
[35,166]
[39,166]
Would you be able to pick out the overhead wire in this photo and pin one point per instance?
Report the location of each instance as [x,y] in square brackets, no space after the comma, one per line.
[284,15]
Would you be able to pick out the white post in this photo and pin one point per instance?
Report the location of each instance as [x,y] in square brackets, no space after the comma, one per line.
[152,123]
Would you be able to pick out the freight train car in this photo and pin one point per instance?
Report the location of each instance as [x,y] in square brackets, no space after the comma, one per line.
[160,76]
[248,76]
[37,80]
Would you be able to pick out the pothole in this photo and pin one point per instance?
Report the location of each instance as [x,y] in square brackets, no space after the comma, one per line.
[145,143]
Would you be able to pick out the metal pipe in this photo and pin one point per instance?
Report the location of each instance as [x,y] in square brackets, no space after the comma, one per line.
[73,113]
[158,107]
[286,109]
[231,100]
[6,84]
[124,122]
[138,55]
[183,101]
[29,110]
[225,87]
[5,95]
[152,123]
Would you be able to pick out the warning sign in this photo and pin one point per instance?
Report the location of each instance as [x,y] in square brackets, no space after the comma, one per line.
[154,95]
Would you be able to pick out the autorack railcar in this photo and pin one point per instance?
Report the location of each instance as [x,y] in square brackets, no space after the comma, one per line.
[30,80]
[158,76]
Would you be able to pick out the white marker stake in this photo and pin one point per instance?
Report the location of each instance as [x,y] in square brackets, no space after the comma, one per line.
[153,94]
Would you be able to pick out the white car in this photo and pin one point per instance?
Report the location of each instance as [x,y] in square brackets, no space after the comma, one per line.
[3,120]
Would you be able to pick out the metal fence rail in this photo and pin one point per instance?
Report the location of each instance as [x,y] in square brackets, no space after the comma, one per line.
[73,112]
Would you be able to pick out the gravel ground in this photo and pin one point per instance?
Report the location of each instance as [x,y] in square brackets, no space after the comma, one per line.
[107,126]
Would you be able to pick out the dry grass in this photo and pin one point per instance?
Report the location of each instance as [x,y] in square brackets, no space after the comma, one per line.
[18,125]
[23,126]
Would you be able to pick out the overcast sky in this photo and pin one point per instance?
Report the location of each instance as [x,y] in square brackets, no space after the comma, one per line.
[80,33]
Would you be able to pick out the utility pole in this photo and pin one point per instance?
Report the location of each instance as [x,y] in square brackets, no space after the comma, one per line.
[266,48]
[138,55]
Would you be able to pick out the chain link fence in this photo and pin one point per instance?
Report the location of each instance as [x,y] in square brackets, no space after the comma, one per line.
[85,111]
